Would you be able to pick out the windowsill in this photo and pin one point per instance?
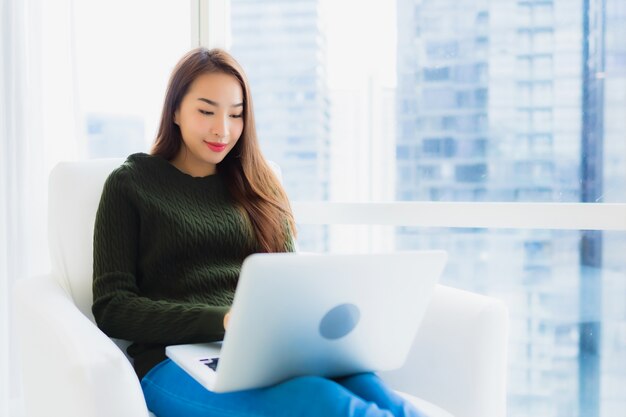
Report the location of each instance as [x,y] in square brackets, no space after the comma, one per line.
[491,215]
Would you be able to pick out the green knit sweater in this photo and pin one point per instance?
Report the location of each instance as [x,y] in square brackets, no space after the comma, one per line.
[168,249]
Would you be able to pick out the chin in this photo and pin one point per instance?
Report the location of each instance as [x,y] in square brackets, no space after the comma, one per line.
[213,161]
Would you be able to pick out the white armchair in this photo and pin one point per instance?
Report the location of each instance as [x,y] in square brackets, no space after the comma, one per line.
[71,369]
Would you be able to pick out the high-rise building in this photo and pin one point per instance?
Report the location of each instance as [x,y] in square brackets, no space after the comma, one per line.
[507,101]
[613,76]
[282,48]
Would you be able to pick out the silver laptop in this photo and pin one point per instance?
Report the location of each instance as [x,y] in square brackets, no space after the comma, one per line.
[316,314]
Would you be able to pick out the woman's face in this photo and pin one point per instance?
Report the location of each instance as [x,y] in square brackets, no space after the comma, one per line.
[210,118]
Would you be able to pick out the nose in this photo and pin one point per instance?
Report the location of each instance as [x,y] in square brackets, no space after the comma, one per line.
[219,129]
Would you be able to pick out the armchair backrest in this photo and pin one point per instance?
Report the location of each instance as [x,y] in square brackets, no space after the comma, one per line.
[74,194]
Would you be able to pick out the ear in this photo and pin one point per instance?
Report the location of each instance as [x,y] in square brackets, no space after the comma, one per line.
[176,118]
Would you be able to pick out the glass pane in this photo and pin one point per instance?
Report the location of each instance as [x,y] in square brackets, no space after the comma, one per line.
[346,112]
[125,52]
[548,99]
[566,294]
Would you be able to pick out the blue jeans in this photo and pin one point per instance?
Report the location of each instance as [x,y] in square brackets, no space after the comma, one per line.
[170,392]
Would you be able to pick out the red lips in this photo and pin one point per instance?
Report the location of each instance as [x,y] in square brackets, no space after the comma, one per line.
[216,147]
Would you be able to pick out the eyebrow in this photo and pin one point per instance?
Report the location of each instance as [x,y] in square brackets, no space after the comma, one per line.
[215,103]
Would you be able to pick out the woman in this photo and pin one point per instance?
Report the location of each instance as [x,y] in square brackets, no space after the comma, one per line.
[172,231]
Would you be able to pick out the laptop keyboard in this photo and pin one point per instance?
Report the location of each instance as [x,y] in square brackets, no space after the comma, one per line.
[210,362]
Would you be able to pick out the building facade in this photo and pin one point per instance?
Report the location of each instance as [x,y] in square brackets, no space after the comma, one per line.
[510,101]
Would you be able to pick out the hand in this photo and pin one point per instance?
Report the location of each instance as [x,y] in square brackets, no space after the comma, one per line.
[226,318]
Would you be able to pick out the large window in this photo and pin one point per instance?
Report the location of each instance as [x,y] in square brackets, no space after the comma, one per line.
[472,101]
[124,53]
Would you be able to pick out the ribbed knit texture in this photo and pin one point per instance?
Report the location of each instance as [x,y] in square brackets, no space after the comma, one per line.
[168,249]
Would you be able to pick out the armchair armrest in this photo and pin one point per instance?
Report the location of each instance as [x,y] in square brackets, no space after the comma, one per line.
[459,358]
[69,367]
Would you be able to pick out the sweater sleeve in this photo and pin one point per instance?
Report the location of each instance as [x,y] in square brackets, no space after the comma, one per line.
[119,308]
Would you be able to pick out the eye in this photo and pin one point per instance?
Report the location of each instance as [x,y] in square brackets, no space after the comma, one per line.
[207,113]
[236,116]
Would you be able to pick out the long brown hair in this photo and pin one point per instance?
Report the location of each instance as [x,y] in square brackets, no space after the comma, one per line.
[251,182]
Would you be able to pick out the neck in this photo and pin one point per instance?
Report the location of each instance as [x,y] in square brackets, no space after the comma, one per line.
[185,162]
